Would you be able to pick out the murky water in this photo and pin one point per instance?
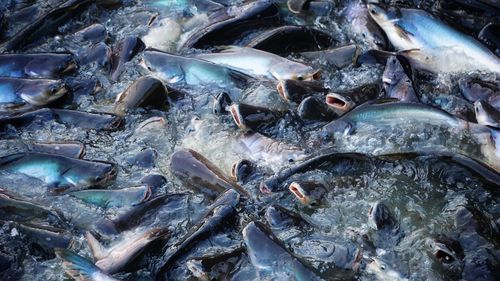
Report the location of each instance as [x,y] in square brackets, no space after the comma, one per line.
[424,194]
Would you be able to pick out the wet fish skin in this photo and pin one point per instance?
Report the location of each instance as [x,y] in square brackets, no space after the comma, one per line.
[13,204]
[94,33]
[218,216]
[144,92]
[254,118]
[124,51]
[269,255]
[80,268]
[448,252]
[383,271]
[175,69]
[397,84]
[115,258]
[241,170]
[337,57]
[473,89]
[296,91]
[59,173]
[342,101]
[67,149]
[257,63]
[379,216]
[246,18]
[44,236]
[296,6]
[216,266]
[88,120]
[194,169]
[486,114]
[21,94]
[490,35]
[46,25]
[108,198]
[309,193]
[282,218]
[288,39]
[134,216]
[431,44]
[36,65]
[311,108]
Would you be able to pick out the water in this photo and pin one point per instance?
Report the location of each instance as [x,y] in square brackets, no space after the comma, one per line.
[423,194]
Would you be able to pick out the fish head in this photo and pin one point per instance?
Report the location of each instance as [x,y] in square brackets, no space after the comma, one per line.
[105,172]
[43,91]
[379,216]
[294,71]
[381,16]
[337,127]
[163,64]
[340,104]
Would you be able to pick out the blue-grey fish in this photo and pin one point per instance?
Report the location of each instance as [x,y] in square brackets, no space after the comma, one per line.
[257,63]
[431,44]
[80,268]
[486,114]
[37,65]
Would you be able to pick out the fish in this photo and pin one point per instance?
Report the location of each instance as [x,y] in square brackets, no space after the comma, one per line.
[490,36]
[46,25]
[397,84]
[99,53]
[131,217]
[124,51]
[93,33]
[256,63]
[241,170]
[288,39]
[68,149]
[60,174]
[37,65]
[216,218]
[342,101]
[474,89]
[265,150]
[296,91]
[382,271]
[109,198]
[154,181]
[88,120]
[339,57]
[309,193]
[80,268]
[22,94]
[269,256]
[218,266]
[197,171]
[282,218]
[256,118]
[296,6]
[311,108]
[44,236]
[11,203]
[226,28]
[379,217]
[221,102]
[432,45]
[114,259]
[447,251]
[191,71]
[144,92]
[486,114]
[361,24]
[383,113]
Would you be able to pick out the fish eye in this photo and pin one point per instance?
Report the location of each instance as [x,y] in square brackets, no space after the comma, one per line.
[149,68]
[382,267]
[99,178]
[300,78]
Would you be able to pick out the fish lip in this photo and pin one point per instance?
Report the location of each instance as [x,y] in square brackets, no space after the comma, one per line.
[264,188]
[72,66]
[338,102]
[280,87]
[316,75]
[233,170]
[299,193]
[235,113]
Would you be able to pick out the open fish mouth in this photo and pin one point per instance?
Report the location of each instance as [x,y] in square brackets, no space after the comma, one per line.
[237,117]
[280,87]
[338,102]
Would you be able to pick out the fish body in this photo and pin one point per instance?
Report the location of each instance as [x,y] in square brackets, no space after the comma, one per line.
[191,71]
[80,268]
[431,44]
[257,63]
[194,169]
[486,114]
[107,198]
[270,257]
[37,65]
[114,259]
[59,172]
[20,93]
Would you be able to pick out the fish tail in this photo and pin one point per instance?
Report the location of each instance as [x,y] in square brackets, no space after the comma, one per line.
[98,251]
[75,265]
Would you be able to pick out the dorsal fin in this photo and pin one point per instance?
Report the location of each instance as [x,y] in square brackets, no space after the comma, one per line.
[97,249]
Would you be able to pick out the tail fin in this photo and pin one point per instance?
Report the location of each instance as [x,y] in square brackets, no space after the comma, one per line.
[76,266]
[98,251]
